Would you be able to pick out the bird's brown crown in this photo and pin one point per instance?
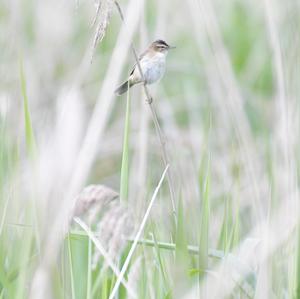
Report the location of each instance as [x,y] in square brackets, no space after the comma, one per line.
[160,45]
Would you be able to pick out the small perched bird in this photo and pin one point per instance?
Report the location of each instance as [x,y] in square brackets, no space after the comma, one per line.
[153,65]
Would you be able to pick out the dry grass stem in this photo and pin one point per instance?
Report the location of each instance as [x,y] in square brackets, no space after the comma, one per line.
[137,237]
[162,140]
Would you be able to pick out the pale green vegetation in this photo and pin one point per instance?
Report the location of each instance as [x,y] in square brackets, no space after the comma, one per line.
[228,109]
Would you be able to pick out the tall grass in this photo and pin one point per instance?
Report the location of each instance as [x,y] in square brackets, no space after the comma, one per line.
[124,178]
[216,148]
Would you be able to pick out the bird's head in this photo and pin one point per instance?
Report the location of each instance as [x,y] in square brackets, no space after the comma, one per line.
[161,46]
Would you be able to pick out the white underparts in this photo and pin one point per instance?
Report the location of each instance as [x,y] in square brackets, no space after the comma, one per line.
[153,68]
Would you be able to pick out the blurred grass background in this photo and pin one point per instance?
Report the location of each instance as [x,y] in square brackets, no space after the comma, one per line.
[229,109]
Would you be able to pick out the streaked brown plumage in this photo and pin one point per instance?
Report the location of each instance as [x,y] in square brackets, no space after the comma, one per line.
[152,62]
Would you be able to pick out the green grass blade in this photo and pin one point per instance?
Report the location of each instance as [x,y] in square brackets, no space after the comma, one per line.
[297,287]
[89,271]
[160,262]
[71,267]
[24,258]
[29,134]
[181,252]
[204,223]
[125,155]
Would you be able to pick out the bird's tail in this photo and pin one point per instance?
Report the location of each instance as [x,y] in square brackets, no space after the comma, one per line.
[123,88]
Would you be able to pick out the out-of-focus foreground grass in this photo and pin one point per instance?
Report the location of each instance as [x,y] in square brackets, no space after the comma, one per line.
[228,107]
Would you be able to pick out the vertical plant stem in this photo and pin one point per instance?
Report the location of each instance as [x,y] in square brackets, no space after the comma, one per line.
[161,138]
[71,267]
[125,156]
[31,146]
[137,237]
[89,270]
[29,134]
[204,230]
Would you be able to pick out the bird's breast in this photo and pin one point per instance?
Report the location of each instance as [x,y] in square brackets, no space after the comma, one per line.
[153,68]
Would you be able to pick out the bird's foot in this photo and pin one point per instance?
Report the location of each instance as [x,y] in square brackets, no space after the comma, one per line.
[149,100]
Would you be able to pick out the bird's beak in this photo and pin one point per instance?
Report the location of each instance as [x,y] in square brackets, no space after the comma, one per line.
[171,47]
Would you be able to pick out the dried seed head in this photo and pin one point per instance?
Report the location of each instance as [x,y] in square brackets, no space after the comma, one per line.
[116,222]
[114,229]
[93,199]
[122,231]
[103,14]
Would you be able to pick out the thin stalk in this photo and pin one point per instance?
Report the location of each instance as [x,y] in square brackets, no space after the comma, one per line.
[161,138]
[89,276]
[71,267]
[105,254]
[137,237]
[125,155]
[192,249]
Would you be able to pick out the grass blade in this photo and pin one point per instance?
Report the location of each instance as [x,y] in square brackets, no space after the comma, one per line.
[137,237]
[125,155]
[29,134]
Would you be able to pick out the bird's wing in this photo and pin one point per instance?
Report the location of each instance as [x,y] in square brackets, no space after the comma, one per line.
[140,58]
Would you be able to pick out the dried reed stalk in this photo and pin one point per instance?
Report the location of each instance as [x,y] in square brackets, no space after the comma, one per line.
[161,138]
[137,236]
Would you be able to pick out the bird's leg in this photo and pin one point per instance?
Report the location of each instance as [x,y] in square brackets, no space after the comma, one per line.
[149,99]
